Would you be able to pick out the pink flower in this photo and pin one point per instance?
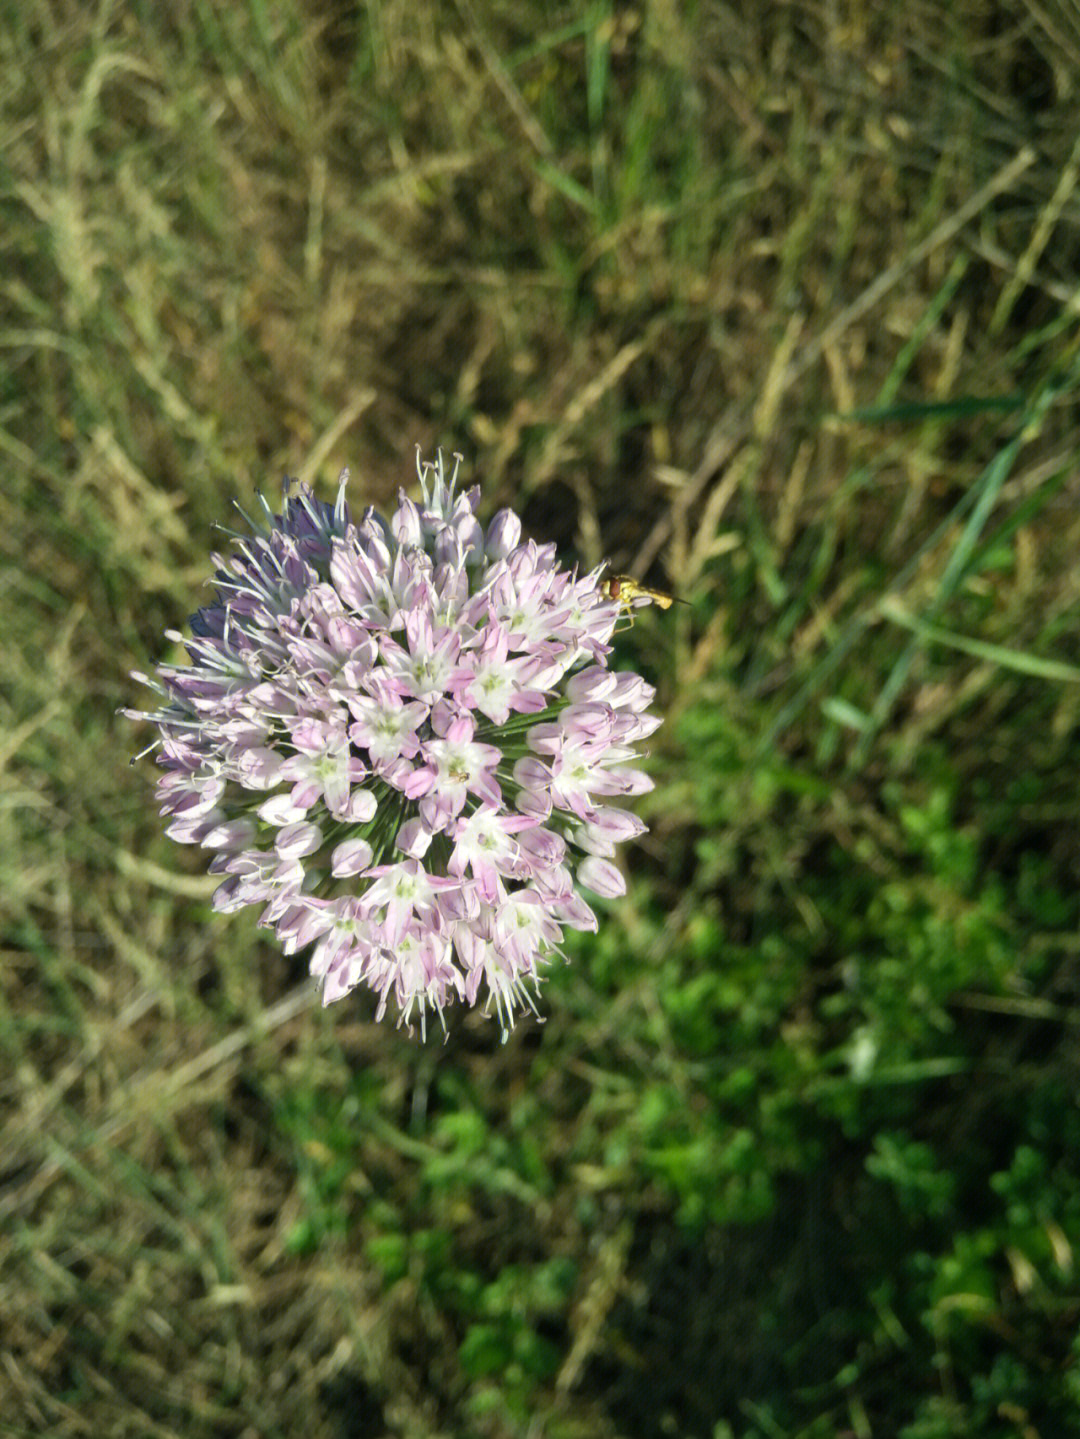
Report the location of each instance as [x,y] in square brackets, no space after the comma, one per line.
[399,739]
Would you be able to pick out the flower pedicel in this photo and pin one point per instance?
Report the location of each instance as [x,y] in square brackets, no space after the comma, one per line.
[401,739]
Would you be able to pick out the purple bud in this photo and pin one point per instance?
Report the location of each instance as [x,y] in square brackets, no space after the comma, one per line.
[297,840]
[414,839]
[503,535]
[406,522]
[350,857]
[233,834]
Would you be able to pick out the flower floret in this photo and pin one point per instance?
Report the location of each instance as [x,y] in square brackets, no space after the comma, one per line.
[400,738]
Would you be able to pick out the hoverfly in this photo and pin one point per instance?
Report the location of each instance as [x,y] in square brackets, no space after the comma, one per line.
[626,590]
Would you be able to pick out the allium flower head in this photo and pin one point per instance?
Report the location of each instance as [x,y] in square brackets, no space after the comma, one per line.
[401,740]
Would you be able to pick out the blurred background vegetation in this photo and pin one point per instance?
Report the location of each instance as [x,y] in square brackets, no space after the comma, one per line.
[773,304]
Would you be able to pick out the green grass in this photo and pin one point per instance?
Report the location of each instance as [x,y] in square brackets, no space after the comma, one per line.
[773,306]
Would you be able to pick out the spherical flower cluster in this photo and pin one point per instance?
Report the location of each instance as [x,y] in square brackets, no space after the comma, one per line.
[400,739]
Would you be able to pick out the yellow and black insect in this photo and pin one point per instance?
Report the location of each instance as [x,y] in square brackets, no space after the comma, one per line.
[626,590]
